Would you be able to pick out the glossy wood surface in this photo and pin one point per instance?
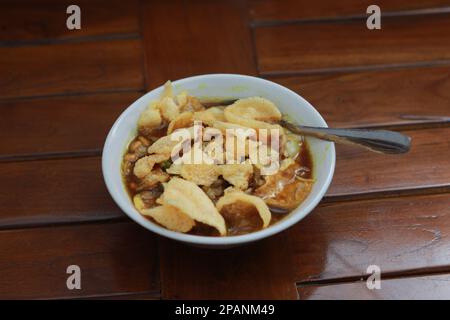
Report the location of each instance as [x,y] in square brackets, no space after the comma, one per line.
[34,261]
[376,98]
[281,11]
[306,48]
[28,21]
[61,90]
[415,288]
[76,67]
[205,37]
[48,125]
[424,166]
[76,185]
[337,240]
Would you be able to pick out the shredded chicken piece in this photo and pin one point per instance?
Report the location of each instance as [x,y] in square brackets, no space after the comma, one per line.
[144,166]
[151,180]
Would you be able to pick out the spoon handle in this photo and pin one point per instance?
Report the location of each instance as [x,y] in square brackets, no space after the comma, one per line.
[382,141]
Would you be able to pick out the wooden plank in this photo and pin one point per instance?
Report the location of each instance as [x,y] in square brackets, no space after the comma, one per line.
[200,37]
[256,271]
[377,98]
[54,191]
[30,20]
[433,287]
[335,240]
[343,239]
[59,124]
[426,165]
[305,48]
[70,68]
[115,258]
[288,10]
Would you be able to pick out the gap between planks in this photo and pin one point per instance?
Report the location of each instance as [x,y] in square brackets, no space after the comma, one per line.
[343,19]
[96,221]
[410,192]
[78,39]
[406,273]
[74,94]
[145,295]
[92,153]
[362,68]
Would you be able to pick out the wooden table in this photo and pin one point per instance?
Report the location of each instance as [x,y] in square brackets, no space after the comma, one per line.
[61,90]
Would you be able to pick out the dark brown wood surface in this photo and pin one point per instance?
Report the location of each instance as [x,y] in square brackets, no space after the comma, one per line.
[361,171]
[320,47]
[333,242]
[412,288]
[205,37]
[281,11]
[115,258]
[44,20]
[61,90]
[76,185]
[32,127]
[376,98]
[111,65]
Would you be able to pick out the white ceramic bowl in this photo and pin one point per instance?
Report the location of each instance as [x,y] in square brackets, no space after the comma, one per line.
[226,86]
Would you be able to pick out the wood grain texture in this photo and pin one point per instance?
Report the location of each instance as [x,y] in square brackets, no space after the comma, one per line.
[343,239]
[31,20]
[70,68]
[119,259]
[433,287]
[426,165]
[378,98]
[314,47]
[116,258]
[59,124]
[255,271]
[288,10]
[78,194]
[54,191]
[335,240]
[200,37]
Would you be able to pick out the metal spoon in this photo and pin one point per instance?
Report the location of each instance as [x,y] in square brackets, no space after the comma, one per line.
[382,141]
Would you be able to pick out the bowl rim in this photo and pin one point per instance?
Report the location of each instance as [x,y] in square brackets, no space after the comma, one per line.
[283,224]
